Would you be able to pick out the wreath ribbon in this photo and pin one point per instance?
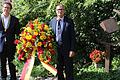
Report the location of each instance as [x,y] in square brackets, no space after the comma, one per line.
[28,66]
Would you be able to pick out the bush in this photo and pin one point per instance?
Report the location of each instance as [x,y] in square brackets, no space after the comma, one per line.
[87,14]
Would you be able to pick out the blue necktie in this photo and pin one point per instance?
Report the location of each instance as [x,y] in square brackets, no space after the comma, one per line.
[59,32]
[59,26]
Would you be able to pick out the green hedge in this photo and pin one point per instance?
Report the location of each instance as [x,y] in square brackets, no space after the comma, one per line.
[87,15]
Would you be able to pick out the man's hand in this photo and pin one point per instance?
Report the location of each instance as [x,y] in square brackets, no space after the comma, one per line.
[71,54]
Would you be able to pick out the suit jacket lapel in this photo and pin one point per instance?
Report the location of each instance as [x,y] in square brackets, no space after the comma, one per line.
[1,24]
[64,25]
[54,25]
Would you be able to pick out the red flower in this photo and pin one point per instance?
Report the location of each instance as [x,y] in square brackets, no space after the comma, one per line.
[34,36]
[42,27]
[44,42]
[40,51]
[16,41]
[19,51]
[31,26]
[97,59]
[52,51]
[48,58]
[21,56]
[96,56]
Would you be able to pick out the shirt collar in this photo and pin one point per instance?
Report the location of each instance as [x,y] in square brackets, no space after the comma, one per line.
[61,18]
[2,16]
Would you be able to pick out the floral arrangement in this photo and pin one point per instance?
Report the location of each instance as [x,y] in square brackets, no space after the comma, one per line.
[36,39]
[97,55]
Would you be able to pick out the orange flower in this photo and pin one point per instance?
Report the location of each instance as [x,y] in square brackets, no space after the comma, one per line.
[96,56]
[98,59]
[39,44]
[35,33]
[36,21]
[36,38]
[39,26]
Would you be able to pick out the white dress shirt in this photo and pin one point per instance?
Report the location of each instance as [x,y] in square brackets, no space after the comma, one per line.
[5,21]
[59,32]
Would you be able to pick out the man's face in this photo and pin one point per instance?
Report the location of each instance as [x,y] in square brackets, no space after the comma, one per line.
[6,9]
[60,11]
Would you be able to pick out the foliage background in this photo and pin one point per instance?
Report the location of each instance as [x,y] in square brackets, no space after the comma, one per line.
[87,15]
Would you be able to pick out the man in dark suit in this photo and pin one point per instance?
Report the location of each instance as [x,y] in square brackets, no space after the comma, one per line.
[63,28]
[9,26]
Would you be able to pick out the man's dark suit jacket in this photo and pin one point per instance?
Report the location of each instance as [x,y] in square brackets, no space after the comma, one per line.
[68,33]
[10,32]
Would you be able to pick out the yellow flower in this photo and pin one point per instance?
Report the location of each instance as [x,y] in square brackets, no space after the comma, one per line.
[45,45]
[47,61]
[50,44]
[39,26]
[22,40]
[25,49]
[35,33]
[28,29]
[42,33]
[28,37]
[35,38]
[46,28]
[22,58]
[40,57]
[28,44]
[39,44]
[23,33]
[43,37]
[36,21]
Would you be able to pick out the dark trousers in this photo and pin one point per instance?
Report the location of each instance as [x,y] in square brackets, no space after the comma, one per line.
[64,63]
[7,55]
